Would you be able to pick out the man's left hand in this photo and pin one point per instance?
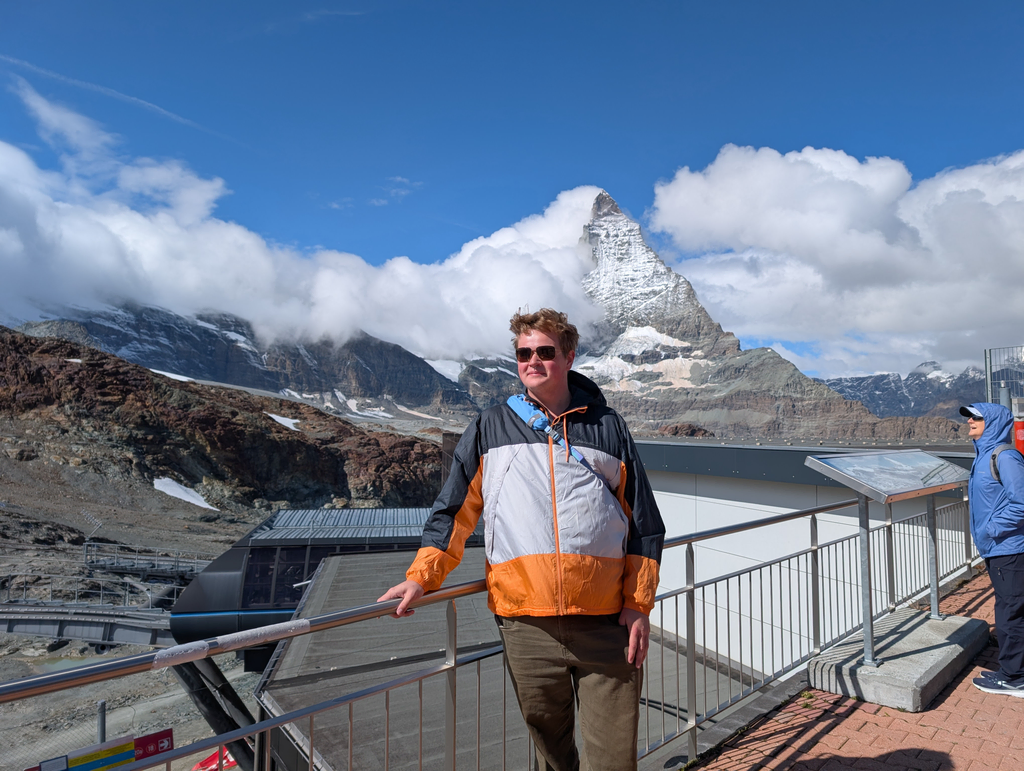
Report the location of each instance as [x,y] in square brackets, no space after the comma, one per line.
[639,626]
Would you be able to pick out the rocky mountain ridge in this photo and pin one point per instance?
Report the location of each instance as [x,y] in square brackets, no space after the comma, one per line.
[927,391]
[361,378]
[67,405]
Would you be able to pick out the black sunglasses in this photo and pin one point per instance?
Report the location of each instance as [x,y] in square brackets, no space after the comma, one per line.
[544,353]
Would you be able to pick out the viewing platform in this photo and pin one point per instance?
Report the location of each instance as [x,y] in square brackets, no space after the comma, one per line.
[963,729]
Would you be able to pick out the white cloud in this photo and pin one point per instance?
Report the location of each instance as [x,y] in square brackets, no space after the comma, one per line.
[849,258]
[398,188]
[106,228]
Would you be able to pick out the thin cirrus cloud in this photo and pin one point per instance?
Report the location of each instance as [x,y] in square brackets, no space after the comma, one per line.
[396,188]
[104,229]
[847,265]
[133,100]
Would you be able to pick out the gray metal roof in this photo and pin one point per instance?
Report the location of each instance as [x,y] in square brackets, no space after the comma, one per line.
[342,524]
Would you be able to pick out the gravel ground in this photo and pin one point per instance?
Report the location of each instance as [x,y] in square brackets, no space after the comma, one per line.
[43,507]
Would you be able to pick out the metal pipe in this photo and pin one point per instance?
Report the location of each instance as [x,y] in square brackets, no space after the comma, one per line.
[703,535]
[890,558]
[451,651]
[865,581]
[691,658]
[815,589]
[933,556]
[101,721]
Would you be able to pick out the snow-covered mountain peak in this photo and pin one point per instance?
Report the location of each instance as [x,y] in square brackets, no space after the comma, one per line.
[633,285]
[605,206]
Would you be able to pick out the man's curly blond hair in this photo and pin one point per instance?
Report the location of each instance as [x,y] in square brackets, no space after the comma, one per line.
[548,321]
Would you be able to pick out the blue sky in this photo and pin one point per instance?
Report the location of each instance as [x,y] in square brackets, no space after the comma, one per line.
[410,128]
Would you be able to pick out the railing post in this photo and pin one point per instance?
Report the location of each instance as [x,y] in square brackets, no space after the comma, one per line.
[450,690]
[890,558]
[691,654]
[815,588]
[933,555]
[101,721]
[968,551]
[865,580]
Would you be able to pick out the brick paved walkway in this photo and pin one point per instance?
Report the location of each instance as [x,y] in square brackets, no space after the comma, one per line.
[963,729]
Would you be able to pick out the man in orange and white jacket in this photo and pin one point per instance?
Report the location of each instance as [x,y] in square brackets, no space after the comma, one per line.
[573,539]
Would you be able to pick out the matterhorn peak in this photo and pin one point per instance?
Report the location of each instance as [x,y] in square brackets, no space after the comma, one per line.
[604,206]
[636,289]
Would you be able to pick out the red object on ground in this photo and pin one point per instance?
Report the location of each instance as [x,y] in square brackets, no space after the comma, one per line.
[210,763]
[1018,433]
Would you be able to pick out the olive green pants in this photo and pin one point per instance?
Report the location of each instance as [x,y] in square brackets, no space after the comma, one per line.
[560,664]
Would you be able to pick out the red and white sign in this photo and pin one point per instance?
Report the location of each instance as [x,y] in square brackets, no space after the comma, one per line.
[153,744]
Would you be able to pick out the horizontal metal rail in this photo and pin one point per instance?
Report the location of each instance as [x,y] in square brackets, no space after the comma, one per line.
[180,654]
[718,532]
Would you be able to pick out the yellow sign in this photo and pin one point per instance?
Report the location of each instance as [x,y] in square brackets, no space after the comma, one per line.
[110,754]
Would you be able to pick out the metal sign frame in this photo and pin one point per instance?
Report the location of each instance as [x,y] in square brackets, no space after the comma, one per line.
[822,465]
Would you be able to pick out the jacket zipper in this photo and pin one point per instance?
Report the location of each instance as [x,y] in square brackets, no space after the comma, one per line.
[554,515]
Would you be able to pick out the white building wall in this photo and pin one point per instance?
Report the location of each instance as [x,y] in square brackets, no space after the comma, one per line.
[693,503]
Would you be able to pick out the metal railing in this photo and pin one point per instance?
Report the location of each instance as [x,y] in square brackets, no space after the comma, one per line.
[143,561]
[1004,371]
[716,642]
[83,591]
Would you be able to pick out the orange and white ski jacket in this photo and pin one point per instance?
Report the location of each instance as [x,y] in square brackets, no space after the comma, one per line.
[560,538]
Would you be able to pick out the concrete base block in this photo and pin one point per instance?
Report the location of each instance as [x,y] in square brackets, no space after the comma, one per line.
[918,658]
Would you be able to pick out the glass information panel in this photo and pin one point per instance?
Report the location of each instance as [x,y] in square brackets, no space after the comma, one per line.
[888,476]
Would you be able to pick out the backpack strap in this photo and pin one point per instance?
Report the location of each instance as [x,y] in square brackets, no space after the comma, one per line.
[538,421]
[995,455]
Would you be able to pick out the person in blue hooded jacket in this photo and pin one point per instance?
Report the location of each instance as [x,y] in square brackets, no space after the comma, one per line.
[997,524]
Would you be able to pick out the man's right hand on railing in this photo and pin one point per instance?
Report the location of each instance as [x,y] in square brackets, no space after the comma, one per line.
[409,591]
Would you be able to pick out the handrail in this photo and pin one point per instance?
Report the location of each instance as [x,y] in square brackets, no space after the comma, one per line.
[716,532]
[180,654]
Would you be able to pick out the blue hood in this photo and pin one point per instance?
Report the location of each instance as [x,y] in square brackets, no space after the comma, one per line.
[997,508]
[998,427]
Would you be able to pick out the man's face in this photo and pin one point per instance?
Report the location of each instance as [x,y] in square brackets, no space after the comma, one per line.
[543,378]
[975,427]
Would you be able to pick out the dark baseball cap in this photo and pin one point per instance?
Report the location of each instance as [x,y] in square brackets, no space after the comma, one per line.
[969,412]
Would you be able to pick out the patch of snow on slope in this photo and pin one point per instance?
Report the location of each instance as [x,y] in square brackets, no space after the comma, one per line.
[675,372]
[611,367]
[372,412]
[175,490]
[172,376]
[636,340]
[417,414]
[206,325]
[286,422]
[447,368]
[242,341]
[75,361]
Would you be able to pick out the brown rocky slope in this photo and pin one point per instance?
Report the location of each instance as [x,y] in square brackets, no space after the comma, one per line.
[89,408]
